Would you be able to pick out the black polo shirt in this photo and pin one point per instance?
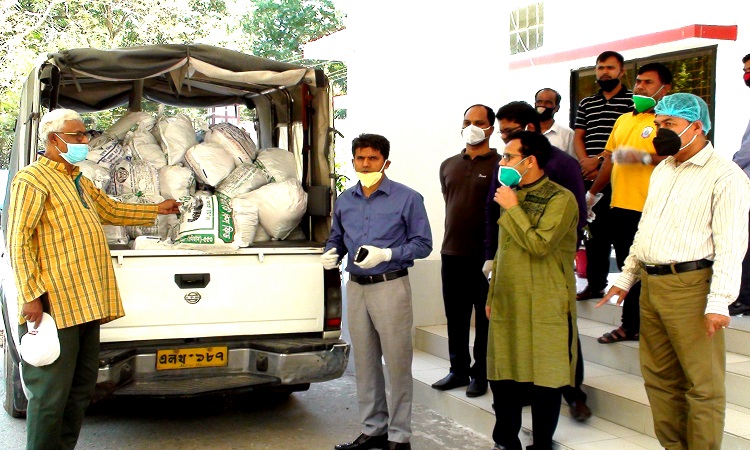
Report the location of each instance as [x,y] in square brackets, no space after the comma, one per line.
[464,183]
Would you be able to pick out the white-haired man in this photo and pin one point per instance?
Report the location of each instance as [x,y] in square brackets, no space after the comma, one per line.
[62,266]
[687,252]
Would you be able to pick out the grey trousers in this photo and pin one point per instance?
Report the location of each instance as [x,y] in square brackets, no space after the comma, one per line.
[380,321]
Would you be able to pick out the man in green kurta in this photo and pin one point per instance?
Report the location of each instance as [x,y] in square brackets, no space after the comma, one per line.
[531,302]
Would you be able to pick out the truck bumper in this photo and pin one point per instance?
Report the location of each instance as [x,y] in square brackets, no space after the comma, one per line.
[264,362]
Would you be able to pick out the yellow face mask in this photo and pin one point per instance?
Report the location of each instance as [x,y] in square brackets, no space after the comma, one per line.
[371,178]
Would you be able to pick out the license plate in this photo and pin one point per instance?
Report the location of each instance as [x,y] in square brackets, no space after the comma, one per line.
[191,358]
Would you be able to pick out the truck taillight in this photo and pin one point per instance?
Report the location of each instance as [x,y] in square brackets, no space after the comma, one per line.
[333,306]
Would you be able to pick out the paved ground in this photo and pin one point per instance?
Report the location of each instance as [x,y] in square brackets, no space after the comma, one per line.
[317,419]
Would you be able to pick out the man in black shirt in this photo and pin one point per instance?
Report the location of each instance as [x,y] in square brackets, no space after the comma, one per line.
[464,180]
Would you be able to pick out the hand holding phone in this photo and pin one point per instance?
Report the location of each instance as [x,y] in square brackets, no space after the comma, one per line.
[361,254]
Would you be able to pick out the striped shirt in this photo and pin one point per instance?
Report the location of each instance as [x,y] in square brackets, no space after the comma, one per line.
[597,115]
[695,210]
[57,246]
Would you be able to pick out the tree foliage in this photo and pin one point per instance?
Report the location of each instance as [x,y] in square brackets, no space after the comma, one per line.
[31,29]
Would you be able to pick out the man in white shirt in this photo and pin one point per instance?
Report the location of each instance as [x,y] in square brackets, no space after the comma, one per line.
[687,254]
[547,103]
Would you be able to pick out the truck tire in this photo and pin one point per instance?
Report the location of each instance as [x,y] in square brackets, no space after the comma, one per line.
[14,400]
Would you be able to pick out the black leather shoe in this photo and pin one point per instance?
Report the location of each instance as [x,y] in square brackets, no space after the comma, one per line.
[737,308]
[580,411]
[365,442]
[399,445]
[477,388]
[450,381]
[587,294]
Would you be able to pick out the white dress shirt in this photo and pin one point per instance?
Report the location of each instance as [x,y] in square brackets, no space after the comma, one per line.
[561,137]
[695,210]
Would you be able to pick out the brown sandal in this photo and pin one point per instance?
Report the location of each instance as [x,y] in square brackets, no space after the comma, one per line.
[616,335]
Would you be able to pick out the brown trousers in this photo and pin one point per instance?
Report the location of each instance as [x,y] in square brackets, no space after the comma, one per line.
[683,369]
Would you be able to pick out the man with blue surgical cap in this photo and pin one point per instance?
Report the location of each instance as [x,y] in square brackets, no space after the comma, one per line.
[687,253]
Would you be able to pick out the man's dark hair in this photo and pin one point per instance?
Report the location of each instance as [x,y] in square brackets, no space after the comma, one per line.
[665,75]
[490,113]
[608,54]
[534,144]
[521,113]
[746,58]
[558,97]
[374,141]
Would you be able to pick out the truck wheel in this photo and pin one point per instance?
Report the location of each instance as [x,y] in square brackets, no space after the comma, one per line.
[14,401]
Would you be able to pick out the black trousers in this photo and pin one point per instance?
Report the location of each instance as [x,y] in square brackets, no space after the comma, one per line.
[509,398]
[744,296]
[574,393]
[599,246]
[465,289]
[624,224]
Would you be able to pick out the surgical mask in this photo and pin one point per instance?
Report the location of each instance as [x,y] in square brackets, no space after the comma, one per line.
[608,85]
[746,77]
[371,178]
[643,103]
[473,135]
[545,113]
[75,154]
[668,143]
[510,176]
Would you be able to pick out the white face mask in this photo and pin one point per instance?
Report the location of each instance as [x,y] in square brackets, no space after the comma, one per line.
[371,178]
[474,135]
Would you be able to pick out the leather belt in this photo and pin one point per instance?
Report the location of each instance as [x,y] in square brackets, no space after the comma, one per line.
[372,279]
[669,269]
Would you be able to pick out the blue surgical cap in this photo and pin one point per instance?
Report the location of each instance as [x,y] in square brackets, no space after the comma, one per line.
[685,106]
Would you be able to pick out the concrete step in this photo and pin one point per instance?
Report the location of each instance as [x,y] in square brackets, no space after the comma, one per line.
[617,397]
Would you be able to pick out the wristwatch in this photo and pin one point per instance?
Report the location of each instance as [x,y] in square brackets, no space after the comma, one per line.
[600,158]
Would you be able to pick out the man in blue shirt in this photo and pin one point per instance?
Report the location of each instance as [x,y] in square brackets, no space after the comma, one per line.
[383,227]
[742,158]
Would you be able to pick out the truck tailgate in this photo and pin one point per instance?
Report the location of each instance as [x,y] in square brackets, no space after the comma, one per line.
[169,295]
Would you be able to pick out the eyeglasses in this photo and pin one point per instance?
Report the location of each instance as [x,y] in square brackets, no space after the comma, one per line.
[77,134]
[508,156]
[508,131]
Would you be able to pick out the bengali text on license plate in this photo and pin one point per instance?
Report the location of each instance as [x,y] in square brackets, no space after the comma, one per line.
[190,358]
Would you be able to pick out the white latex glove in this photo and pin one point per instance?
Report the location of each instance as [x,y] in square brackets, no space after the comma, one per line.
[487,268]
[591,201]
[374,257]
[630,156]
[330,259]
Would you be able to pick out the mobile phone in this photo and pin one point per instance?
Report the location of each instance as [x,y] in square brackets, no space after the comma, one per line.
[361,254]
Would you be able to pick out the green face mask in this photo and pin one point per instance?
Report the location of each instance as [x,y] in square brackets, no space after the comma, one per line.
[643,103]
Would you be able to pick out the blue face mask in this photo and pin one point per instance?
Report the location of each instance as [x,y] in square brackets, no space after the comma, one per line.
[76,152]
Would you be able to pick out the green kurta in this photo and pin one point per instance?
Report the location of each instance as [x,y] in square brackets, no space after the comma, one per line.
[532,294]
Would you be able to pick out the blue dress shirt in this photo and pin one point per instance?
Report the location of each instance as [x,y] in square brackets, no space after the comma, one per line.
[392,217]
[742,157]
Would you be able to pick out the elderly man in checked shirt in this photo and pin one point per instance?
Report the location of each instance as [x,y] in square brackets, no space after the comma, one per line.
[62,266]
[687,253]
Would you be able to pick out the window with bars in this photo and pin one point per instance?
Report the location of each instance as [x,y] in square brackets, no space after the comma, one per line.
[526,28]
[693,71]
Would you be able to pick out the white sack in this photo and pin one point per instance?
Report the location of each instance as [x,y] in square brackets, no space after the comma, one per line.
[206,220]
[235,141]
[281,206]
[99,175]
[115,234]
[210,163]
[105,151]
[176,182]
[245,178]
[143,145]
[129,120]
[129,177]
[175,135]
[278,162]
[261,235]
[246,223]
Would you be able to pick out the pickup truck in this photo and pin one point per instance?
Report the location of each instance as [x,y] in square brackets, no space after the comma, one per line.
[199,321]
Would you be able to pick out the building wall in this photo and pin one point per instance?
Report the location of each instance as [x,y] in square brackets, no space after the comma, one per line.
[414,67]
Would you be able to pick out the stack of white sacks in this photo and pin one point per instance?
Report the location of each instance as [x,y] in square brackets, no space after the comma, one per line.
[248,195]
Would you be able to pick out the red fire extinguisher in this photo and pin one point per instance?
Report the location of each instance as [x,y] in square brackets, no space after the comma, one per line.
[581,262]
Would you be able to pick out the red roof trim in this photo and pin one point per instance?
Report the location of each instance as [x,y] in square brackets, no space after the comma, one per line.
[722,32]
